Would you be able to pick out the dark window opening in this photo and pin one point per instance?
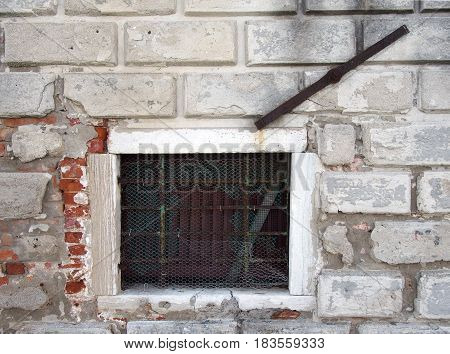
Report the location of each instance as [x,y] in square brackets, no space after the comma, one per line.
[205,220]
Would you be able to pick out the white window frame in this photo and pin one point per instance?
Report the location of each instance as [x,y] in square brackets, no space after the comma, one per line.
[304,262]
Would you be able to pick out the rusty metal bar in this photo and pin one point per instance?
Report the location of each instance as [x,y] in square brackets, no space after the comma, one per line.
[331,77]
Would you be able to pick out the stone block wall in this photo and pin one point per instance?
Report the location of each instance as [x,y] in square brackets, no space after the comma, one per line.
[71,71]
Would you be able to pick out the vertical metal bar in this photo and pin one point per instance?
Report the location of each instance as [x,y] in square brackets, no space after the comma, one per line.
[245,199]
[162,236]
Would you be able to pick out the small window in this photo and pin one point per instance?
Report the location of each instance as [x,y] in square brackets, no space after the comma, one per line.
[205,220]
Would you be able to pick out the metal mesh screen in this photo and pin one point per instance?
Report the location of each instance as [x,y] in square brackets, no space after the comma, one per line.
[218,220]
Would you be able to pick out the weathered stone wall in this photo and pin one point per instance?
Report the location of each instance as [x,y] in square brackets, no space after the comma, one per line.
[71,70]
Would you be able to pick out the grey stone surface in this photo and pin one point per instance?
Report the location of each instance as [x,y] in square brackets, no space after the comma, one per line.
[335,241]
[28,298]
[299,326]
[403,328]
[89,327]
[360,294]
[120,7]
[39,248]
[76,138]
[428,40]
[295,42]
[79,43]
[237,95]
[236,7]
[32,142]
[180,42]
[434,192]
[182,327]
[358,5]
[435,90]
[26,94]
[22,194]
[337,144]
[362,91]
[434,5]
[121,95]
[433,294]
[28,7]
[397,242]
[417,144]
[366,192]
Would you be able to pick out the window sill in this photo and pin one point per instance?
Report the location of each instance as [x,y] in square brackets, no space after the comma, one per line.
[179,299]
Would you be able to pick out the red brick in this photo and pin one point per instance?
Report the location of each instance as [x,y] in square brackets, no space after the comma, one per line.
[72,171]
[6,134]
[4,281]
[77,250]
[102,133]
[2,149]
[73,237]
[68,162]
[71,223]
[74,287]
[6,240]
[7,255]
[15,122]
[96,146]
[74,121]
[68,198]
[15,268]
[71,266]
[71,211]
[285,315]
[70,185]
[44,165]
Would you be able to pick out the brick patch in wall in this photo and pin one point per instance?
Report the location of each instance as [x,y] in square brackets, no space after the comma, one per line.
[15,268]
[75,287]
[73,171]
[4,281]
[17,122]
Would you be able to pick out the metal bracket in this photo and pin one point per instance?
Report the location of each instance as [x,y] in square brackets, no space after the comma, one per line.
[331,77]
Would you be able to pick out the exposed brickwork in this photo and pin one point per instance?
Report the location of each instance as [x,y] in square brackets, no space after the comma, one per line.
[74,287]
[16,122]
[73,237]
[15,268]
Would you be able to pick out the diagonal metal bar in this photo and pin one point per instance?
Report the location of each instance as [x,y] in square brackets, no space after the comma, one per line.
[331,77]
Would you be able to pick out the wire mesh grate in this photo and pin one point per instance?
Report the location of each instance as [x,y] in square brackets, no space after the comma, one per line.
[205,220]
